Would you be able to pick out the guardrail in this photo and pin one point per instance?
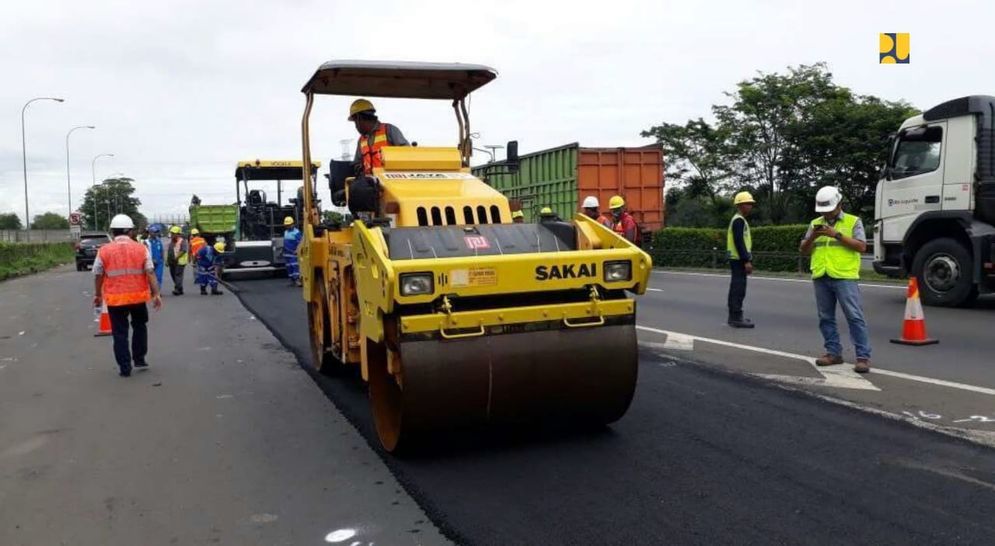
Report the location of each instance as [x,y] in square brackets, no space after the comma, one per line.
[717,258]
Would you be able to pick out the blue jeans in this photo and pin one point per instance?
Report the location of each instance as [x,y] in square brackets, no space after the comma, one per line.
[828,292]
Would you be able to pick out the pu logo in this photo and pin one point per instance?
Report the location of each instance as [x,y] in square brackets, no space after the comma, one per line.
[894,48]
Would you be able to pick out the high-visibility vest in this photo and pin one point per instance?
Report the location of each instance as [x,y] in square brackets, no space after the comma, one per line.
[830,257]
[373,155]
[747,238]
[181,257]
[606,221]
[125,281]
[196,243]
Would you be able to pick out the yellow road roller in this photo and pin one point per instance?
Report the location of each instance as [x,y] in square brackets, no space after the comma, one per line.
[456,315]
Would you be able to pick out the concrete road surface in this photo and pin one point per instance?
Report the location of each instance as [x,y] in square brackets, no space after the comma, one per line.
[224,440]
[704,456]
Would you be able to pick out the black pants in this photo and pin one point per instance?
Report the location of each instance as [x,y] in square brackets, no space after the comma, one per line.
[737,289]
[139,314]
[176,272]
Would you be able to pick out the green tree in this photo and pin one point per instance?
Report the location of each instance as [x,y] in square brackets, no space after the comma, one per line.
[782,137]
[50,220]
[110,197]
[696,155]
[10,220]
[332,216]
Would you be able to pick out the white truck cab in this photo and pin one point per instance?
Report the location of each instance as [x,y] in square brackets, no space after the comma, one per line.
[935,207]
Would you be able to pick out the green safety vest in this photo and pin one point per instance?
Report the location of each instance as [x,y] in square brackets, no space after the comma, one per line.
[831,257]
[747,238]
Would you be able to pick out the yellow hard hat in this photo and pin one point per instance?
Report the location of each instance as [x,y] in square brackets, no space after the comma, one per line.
[194,231]
[288,221]
[360,105]
[546,210]
[517,214]
[219,246]
[616,202]
[743,197]
[174,230]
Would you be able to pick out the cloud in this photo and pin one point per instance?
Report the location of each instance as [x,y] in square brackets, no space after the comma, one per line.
[182,90]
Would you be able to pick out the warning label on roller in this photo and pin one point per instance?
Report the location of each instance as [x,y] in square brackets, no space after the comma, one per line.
[476,276]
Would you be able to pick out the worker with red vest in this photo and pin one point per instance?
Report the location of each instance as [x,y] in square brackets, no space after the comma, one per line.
[373,136]
[623,222]
[125,281]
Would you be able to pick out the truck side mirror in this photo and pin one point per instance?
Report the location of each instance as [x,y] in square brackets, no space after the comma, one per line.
[511,157]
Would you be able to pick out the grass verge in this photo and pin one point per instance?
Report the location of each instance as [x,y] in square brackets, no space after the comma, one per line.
[23,259]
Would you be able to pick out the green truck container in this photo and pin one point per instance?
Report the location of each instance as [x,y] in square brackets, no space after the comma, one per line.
[214,219]
[562,177]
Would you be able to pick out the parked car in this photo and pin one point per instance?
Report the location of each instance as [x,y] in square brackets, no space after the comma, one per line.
[87,246]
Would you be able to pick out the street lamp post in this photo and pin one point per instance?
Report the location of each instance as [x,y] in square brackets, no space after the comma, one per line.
[69,186]
[24,161]
[93,184]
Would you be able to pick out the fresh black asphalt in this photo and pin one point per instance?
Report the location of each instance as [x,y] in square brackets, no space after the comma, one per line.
[702,457]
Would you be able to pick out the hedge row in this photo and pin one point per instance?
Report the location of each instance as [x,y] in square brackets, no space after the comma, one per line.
[21,259]
[775,248]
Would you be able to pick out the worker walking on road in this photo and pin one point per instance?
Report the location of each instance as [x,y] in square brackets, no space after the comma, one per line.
[206,263]
[124,280]
[291,240]
[154,244]
[176,258]
[622,222]
[591,206]
[373,136]
[835,241]
[739,245]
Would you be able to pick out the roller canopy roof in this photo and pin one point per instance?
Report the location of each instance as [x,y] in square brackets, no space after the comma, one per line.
[399,79]
[257,169]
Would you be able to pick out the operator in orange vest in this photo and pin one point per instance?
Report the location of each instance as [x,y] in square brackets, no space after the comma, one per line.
[124,279]
[373,135]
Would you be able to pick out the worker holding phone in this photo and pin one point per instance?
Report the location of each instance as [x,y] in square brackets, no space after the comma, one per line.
[835,241]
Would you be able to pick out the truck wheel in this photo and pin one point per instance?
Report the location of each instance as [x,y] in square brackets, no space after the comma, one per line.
[945,272]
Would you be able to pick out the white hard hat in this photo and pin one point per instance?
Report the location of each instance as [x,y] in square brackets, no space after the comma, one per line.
[122,221]
[590,202]
[827,199]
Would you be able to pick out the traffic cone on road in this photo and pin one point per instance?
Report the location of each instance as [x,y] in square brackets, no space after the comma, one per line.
[914,325]
[105,323]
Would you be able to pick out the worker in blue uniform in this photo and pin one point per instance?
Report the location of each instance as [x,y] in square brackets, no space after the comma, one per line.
[154,244]
[206,261]
[291,240]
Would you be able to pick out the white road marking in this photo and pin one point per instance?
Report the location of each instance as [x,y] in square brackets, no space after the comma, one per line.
[939,382]
[654,289]
[840,371]
[840,376]
[761,278]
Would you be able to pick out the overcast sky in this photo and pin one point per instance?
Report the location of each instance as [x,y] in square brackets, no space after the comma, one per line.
[182,90]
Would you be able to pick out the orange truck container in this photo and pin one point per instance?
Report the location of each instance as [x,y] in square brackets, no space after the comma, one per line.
[562,177]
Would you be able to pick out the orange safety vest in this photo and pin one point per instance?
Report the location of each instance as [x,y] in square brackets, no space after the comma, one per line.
[372,155]
[606,221]
[125,280]
[196,243]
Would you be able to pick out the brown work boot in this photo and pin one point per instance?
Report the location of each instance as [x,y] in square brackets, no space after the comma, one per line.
[828,360]
[863,365]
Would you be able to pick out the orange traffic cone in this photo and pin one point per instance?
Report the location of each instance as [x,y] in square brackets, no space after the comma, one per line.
[105,323]
[914,326]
